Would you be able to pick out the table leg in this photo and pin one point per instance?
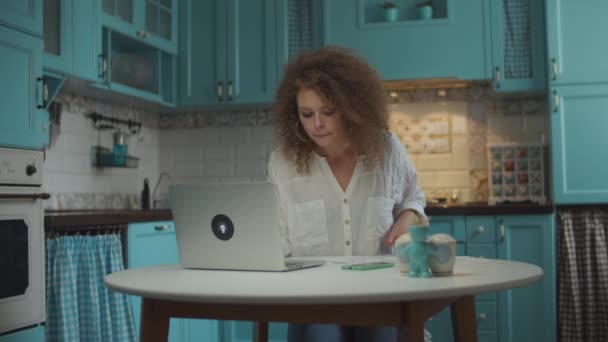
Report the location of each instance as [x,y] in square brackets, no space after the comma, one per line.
[260,331]
[464,322]
[154,327]
[413,331]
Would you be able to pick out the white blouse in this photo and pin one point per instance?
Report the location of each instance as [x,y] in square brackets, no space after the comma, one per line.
[318,218]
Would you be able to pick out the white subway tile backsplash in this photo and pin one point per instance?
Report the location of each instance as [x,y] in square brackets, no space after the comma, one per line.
[203,180]
[262,134]
[225,152]
[250,151]
[174,137]
[234,135]
[187,154]
[252,168]
[187,169]
[204,136]
[201,148]
[219,168]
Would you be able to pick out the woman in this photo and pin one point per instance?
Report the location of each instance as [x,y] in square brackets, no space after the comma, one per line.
[344,185]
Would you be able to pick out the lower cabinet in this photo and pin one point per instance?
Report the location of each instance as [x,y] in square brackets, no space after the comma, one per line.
[242,331]
[154,243]
[521,314]
[30,335]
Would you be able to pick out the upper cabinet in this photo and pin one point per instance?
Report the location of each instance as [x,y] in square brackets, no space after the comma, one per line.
[134,68]
[24,122]
[24,15]
[518,45]
[576,52]
[152,21]
[227,52]
[57,41]
[578,96]
[445,40]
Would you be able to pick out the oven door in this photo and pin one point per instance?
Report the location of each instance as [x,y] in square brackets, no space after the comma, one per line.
[21,258]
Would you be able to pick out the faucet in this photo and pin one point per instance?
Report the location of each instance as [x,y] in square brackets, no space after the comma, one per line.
[163,174]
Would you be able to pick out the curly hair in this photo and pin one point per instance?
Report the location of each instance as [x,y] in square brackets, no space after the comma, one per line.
[345,81]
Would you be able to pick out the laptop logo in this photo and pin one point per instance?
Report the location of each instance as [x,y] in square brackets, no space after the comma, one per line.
[222,227]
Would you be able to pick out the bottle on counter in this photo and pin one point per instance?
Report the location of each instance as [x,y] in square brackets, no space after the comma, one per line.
[145,195]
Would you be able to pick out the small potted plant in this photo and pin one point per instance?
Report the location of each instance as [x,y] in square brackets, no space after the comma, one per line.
[390,11]
[424,10]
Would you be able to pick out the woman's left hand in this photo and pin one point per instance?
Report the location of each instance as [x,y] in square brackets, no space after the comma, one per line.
[400,226]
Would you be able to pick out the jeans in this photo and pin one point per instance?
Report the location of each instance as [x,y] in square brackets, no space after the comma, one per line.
[338,333]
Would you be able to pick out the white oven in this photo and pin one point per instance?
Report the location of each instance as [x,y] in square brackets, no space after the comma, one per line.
[22,299]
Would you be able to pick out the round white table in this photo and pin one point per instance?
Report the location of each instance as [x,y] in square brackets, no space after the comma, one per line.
[325,294]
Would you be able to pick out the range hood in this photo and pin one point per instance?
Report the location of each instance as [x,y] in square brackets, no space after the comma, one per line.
[432,83]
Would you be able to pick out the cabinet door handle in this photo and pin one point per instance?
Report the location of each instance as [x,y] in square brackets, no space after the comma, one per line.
[45,92]
[229,90]
[482,316]
[161,227]
[102,65]
[497,77]
[480,230]
[220,92]
[555,101]
[554,65]
[502,231]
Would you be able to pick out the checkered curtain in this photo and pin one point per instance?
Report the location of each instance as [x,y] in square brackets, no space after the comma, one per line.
[583,275]
[79,306]
[518,39]
[300,28]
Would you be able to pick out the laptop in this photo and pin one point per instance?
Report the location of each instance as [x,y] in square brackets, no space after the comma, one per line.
[229,227]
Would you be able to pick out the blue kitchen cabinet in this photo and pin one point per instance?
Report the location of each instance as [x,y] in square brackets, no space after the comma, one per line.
[440,325]
[575,34]
[242,331]
[136,69]
[528,313]
[522,314]
[35,334]
[450,45]
[578,82]
[151,21]
[87,60]
[25,16]
[578,125]
[154,243]
[23,123]
[299,27]
[518,46]
[227,52]
[57,22]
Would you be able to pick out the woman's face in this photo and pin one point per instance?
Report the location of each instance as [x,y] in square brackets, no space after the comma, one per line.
[321,121]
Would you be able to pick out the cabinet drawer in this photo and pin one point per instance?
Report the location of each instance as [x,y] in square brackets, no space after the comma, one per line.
[152,227]
[481,251]
[485,312]
[481,229]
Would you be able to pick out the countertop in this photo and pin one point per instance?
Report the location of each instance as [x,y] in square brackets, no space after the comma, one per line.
[72,218]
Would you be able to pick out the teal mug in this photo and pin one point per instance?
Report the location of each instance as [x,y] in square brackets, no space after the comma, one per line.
[425,12]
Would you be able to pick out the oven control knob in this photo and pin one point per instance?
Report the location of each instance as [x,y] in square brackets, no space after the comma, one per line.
[31,169]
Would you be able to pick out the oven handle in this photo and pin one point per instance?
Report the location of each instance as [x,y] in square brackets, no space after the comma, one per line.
[43,195]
